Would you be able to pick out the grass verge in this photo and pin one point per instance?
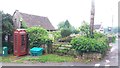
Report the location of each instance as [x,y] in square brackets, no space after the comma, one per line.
[49,58]
[34,59]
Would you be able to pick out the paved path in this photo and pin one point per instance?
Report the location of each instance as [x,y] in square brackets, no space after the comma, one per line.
[110,60]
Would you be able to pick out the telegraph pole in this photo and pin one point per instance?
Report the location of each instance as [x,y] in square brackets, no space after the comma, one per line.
[92,18]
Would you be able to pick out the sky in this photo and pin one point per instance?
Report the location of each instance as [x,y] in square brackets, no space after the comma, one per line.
[57,11]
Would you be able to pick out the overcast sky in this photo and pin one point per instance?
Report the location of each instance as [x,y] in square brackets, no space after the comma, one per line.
[59,10]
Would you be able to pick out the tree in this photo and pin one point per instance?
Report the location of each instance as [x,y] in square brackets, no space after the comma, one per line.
[66,28]
[61,25]
[85,29]
[7,24]
[65,32]
[67,24]
[74,30]
[64,25]
[7,30]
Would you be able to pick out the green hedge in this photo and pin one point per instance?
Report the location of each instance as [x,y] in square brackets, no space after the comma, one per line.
[37,36]
[83,44]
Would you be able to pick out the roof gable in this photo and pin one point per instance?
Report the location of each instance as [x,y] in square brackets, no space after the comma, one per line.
[34,20]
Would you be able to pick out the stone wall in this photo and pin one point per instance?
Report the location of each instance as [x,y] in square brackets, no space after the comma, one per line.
[93,56]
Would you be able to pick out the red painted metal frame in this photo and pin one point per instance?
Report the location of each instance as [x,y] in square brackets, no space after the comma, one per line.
[20,49]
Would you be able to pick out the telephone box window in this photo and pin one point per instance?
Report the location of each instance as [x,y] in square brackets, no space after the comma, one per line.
[22,40]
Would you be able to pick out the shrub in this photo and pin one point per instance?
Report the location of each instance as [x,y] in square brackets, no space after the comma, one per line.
[87,45]
[85,29]
[75,31]
[65,32]
[98,35]
[56,34]
[37,35]
[65,39]
[112,38]
[23,25]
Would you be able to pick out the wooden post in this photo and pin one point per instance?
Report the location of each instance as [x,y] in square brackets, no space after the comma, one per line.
[92,18]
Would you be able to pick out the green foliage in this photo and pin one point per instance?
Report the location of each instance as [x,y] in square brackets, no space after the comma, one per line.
[24,25]
[87,45]
[49,58]
[6,29]
[66,28]
[65,32]
[43,58]
[37,35]
[98,35]
[61,25]
[113,39]
[65,39]
[6,59]
[0,59]
[56,34]
[64,25]
[7,23]
[75,31]
[85,29]
[9,45]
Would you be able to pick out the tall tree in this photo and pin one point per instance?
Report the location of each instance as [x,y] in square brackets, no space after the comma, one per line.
[67,26]
[64,25]
[7,24]
[92,18]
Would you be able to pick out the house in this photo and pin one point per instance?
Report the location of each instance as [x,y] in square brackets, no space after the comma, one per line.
[99,28]
[29,20]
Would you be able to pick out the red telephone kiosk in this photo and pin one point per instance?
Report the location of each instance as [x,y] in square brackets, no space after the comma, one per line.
[20,42]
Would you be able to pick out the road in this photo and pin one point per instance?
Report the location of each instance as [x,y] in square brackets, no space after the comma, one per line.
[110,60]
